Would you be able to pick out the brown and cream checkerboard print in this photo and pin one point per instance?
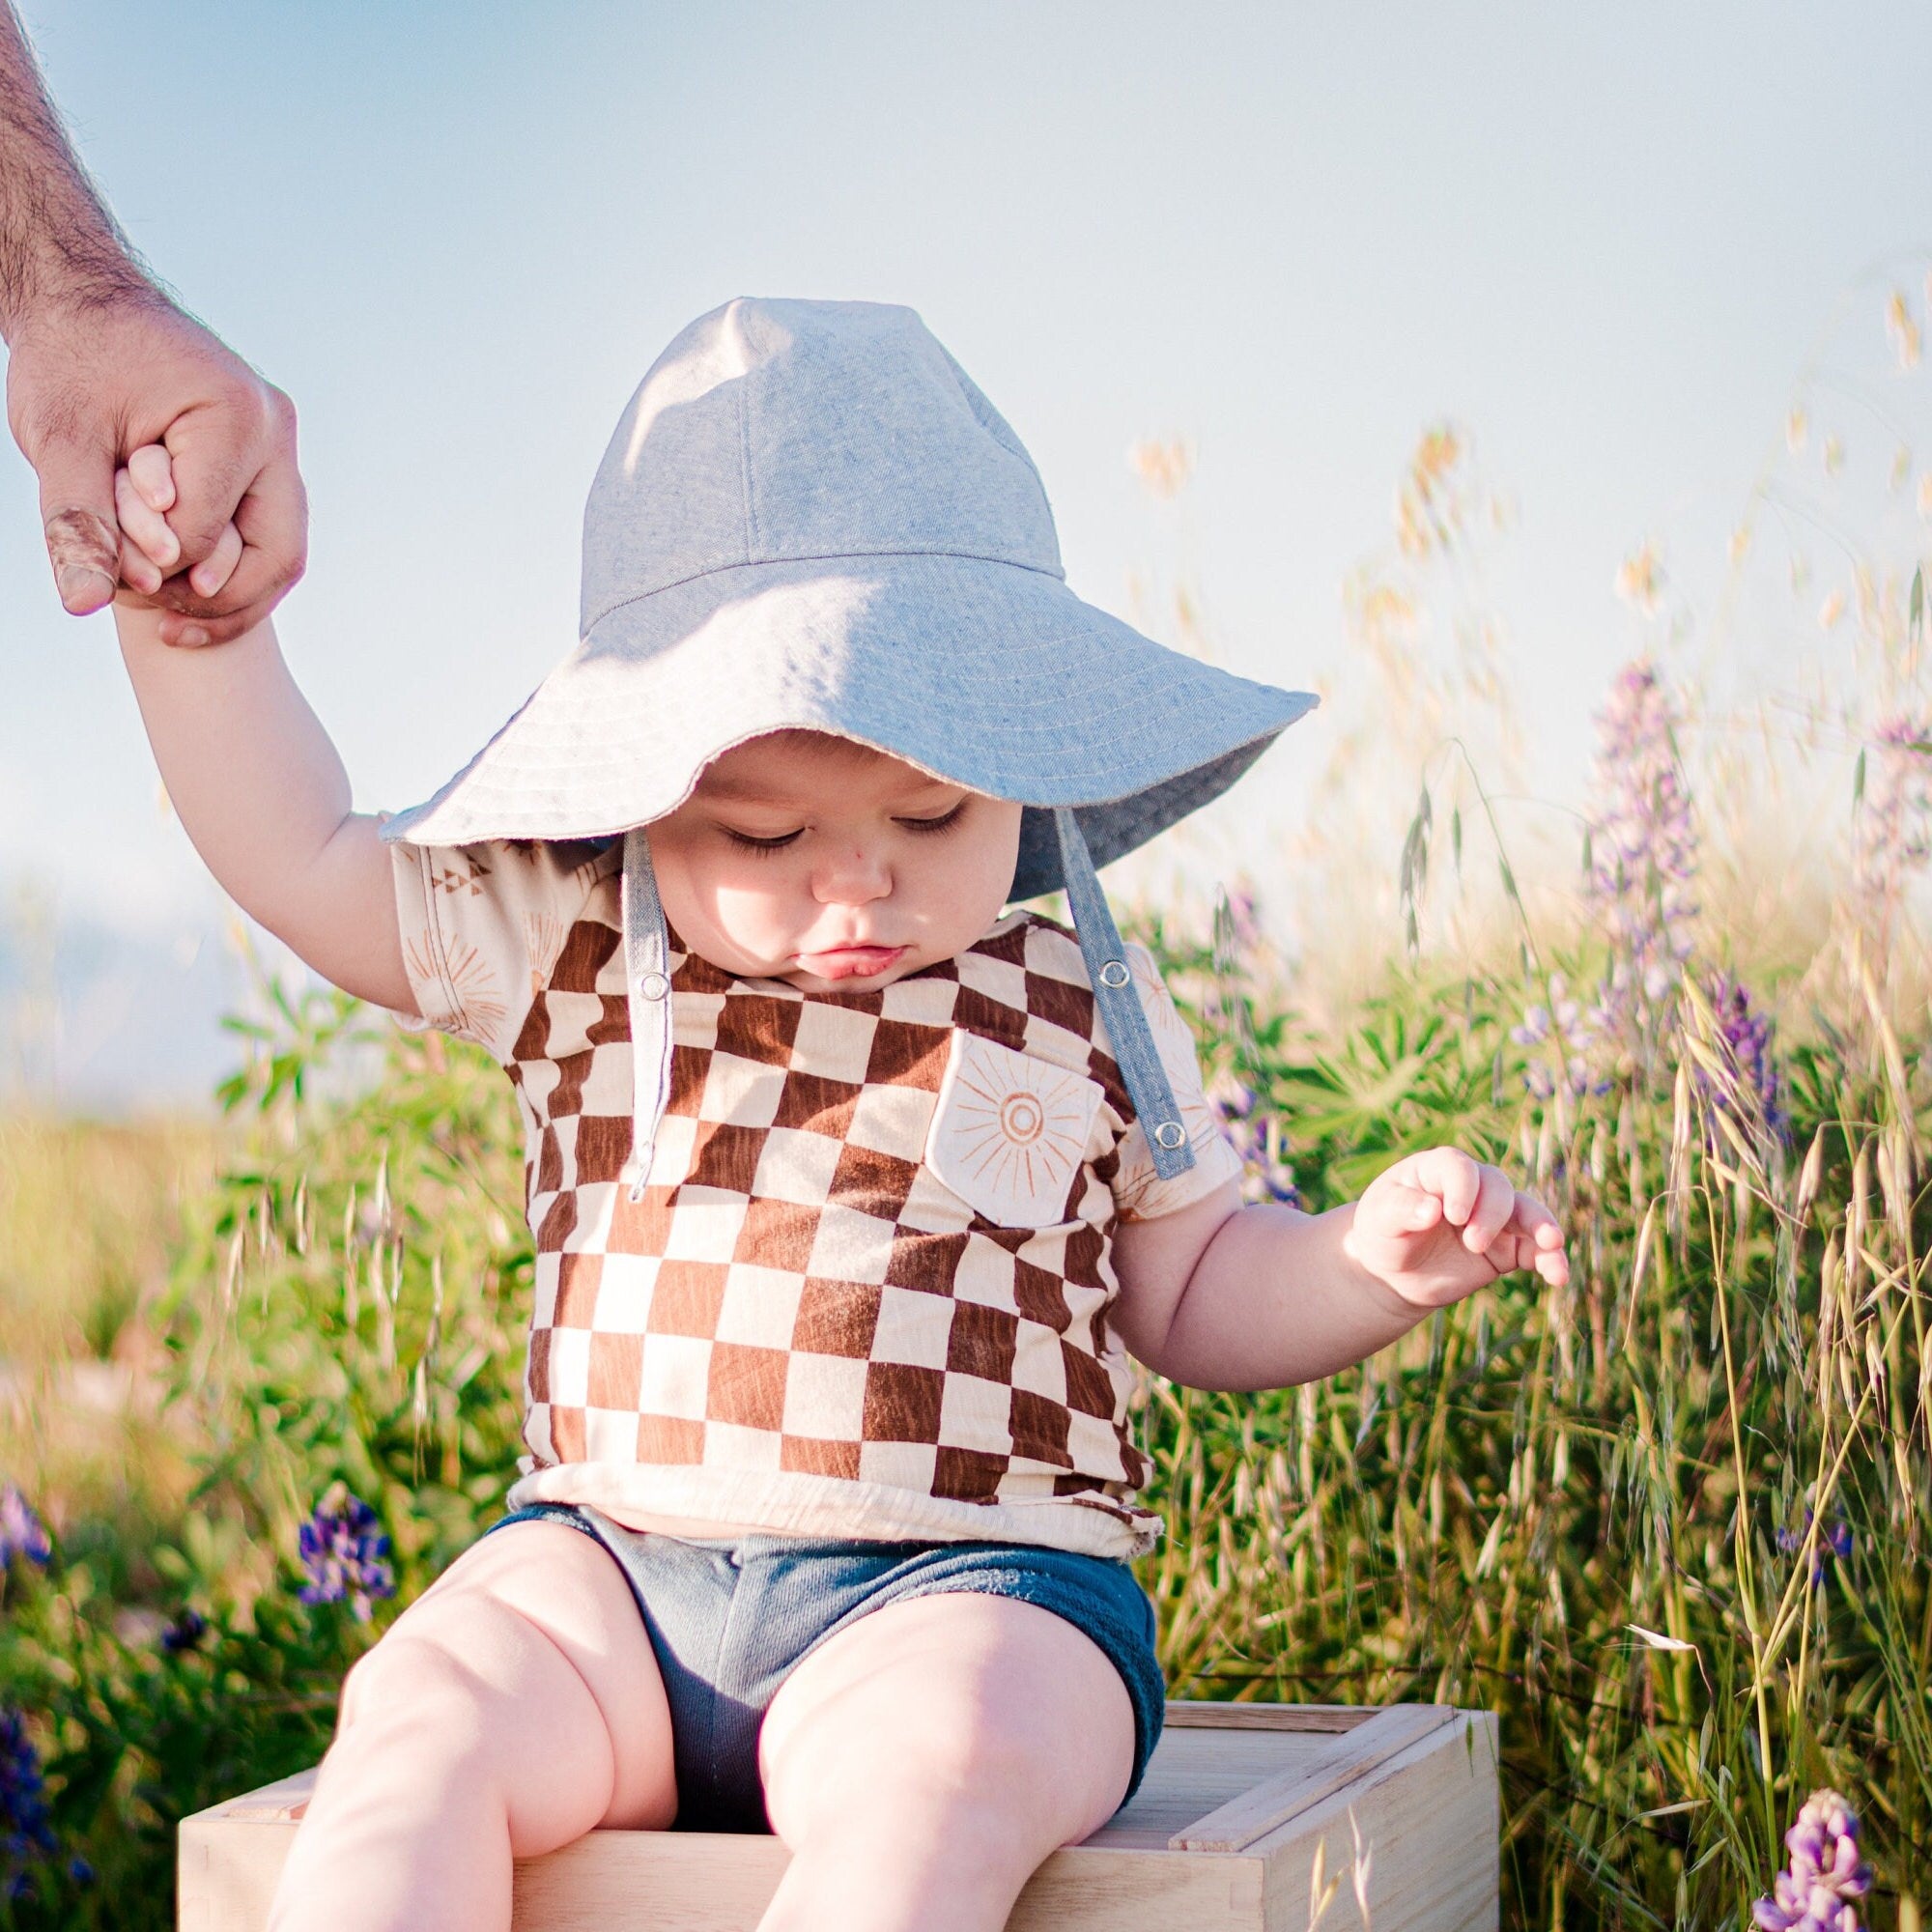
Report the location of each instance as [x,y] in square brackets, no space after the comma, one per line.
[797,1290]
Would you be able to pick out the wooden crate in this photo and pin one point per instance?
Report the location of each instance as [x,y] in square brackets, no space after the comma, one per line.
[1248,1815]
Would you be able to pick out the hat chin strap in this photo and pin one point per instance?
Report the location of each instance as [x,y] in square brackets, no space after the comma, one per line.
[647,991]
[1127,1030]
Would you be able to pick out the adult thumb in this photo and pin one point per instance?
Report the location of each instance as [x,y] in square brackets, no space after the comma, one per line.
[77,515]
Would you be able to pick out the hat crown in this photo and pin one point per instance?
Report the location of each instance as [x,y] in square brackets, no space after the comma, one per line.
[772,431]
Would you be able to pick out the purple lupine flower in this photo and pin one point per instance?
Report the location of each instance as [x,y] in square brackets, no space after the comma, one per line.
[1746,1034]
[344,1550]
[1894,837]
[1569,1036]
[1256,1134]
[26,1827]
[184,1633]
[1836,1540]
[1825,1873]
[1643,852]
[22,1533]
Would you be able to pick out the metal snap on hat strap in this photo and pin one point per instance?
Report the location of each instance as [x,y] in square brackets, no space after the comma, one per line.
[647,988]
[1120,1005]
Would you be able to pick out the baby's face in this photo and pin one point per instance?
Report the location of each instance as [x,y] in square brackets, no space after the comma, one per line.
[806,858]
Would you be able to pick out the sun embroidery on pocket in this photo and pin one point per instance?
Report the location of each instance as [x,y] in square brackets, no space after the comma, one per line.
[1010,1130]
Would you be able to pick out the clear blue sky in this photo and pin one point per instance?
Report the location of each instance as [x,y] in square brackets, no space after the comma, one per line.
[1602,239]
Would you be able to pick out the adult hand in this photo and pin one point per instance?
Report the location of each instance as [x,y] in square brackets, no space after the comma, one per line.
[91,380]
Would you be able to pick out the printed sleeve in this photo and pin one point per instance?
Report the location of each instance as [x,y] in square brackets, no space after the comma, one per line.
[1140,1192]
[481,929]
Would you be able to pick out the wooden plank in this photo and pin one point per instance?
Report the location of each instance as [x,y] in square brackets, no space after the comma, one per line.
[287,1797]
[1271,1803]
[701,1882]
[1187,1714]
[1194,1773]
[1423,1828]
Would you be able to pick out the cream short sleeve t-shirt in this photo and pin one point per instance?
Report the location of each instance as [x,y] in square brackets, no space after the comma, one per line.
[865,1291]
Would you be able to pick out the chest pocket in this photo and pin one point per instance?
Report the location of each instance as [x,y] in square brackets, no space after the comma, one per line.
[1009,1132]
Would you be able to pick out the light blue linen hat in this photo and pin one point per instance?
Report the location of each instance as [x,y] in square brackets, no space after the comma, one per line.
[811,517]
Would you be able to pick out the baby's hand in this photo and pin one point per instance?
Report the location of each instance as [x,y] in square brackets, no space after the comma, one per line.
[1437,1226]
[144,492]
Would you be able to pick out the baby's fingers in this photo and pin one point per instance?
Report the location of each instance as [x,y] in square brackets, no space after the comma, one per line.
[145,532]
[1401,1209]
[151,471]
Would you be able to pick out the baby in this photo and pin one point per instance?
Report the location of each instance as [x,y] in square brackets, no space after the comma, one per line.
[852,1190]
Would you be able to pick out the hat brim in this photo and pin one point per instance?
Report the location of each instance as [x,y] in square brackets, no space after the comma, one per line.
[989,675]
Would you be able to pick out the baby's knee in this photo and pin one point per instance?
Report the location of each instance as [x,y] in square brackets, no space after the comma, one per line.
[490,1694]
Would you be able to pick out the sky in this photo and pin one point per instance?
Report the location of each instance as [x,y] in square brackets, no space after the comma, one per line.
[1603,239]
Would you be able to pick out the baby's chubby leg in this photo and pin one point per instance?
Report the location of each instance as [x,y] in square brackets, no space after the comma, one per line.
[515,1706]
[922,1762]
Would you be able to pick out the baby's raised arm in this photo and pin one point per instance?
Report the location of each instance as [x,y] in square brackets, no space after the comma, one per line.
[260,790]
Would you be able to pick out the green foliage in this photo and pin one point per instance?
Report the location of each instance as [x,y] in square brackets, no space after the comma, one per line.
[1562,1505]
[1567,1505]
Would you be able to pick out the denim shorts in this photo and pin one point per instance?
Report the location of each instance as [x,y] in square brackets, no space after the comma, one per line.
[729,1619]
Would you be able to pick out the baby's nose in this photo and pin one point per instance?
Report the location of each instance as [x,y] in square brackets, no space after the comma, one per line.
[854,875]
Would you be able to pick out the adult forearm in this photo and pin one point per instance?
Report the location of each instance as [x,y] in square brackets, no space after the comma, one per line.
[58,245]
[1275,1299]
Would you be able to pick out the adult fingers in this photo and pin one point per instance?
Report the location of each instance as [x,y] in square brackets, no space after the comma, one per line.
[215,569]
[224,452]
[272,520]
[77,517]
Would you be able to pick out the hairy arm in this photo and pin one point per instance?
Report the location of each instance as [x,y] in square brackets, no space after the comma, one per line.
[58,244]
[100,362]
[260,790]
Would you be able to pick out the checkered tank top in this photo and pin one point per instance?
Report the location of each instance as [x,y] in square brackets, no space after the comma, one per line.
[866,1290]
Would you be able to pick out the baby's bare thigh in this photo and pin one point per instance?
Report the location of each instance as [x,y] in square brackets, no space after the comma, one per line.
[534,1638]
[995,1712]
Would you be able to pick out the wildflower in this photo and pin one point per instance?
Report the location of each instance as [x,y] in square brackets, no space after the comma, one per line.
[1894,831]
[21,1530]
[1796,425]
[1255,1135]
[1925,495]
[1643,850]
[186,1633]
[1569,1034]
[1831,611]
[1834,455]
[344,1553]
[1837,1542]
[1825,1873]
[1746,1036]
[26,1831]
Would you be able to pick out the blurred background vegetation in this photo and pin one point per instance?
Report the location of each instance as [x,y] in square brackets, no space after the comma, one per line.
[1671,1521]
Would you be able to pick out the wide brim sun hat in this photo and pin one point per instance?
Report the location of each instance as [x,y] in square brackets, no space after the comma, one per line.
[809,517]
